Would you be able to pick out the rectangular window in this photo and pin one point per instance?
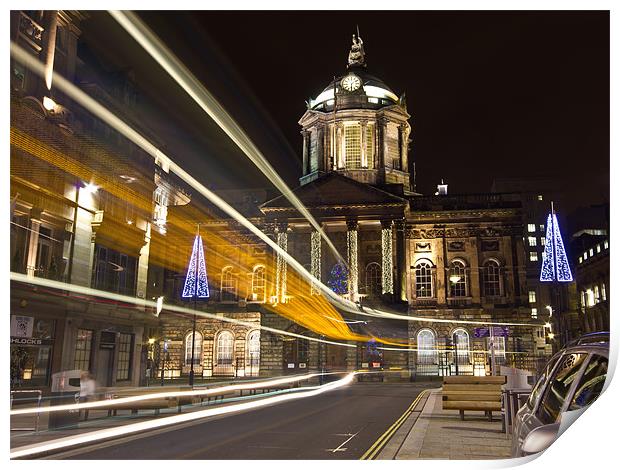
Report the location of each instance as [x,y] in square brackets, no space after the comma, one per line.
[542,241]
[533,256]
[534,313]
[531,228]
[598,248]
[542,227]
[597,297]
[585,255]
[531,241]
[353,146]
[591,251]
[580,259]
[606,244]
[370,145]
[583,299]
[603,293]
[83,349]
[540,198]
[124,356]
[589,298]
[532,296]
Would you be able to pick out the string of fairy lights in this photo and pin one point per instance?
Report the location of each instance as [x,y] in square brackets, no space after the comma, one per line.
[352,258]
[387,280]
[315,260]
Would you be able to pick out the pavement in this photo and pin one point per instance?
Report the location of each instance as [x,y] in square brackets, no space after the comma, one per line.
[430,432]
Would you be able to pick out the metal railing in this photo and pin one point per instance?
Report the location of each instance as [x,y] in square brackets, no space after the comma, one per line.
[37,416]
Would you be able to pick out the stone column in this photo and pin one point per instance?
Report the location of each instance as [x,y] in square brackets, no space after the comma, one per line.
[305,157]
[320,149]
[340,145]
[282,241]
[33,245]
[404,139]
[352,259]
[315,260]
[387,274]
[401,266]
[385,151]
[363,155]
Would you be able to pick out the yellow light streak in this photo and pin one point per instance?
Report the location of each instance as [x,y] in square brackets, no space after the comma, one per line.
[79,96]
[85,438]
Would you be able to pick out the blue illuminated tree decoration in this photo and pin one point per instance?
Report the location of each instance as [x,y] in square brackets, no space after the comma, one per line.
[196,283]
[338,279]
[555,265]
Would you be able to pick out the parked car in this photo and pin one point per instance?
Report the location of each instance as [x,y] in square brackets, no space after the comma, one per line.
[571,380]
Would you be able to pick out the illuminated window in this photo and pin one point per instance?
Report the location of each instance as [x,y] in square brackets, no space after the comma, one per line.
[585,255]
[197,348]
[224,352]
[423,280]
[531,227]
[258,284]
[491,279]
[462,345]
[542,227]
[228,285]
[589,298]
[458,279]
[533,256]
[603,293]
[540,198]
[606,244]
[534,313]
[542,241]
[427,353]
[597,296]
[370,146]
[373,100]
[499,346]
[531,241]
[591,251]
[123,365]
[598,248]
[532,296]
[83,349]
[353,146]
[253,348]
[583,298]
[580,259]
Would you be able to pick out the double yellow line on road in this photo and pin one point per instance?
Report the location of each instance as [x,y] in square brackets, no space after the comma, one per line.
[380,443]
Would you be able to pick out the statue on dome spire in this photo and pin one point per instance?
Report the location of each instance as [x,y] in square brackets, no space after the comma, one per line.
[357,57]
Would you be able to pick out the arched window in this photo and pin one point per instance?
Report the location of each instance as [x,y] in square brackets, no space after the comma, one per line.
[197,348]
[461,339]
[458,279]
[491,279]
[224,351]
[258,283]
[424,279]
[427,353]
[373,280]
[228,285]
[253,351]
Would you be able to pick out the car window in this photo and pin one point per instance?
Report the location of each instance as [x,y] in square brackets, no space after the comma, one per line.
[559,386]
[591,383]
[540,385]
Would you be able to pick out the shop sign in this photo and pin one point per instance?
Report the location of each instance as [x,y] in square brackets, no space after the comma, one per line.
[31,341]
[291,366]
[21,326]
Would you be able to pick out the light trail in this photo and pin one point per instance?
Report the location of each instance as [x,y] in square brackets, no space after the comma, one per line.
[197,91]
[150,396]
[111,119]
[19,277]
[85,438]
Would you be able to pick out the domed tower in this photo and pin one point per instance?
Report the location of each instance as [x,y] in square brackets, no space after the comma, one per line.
[358,127]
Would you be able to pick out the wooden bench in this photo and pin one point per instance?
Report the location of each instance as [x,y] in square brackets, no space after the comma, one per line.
[471,393]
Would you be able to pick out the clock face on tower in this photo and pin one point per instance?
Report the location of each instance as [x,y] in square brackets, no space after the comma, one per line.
[351,82]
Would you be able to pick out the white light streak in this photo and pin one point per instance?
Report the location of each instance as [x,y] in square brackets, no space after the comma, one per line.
[196,90]
[177,393]
[85,438]
[111,119]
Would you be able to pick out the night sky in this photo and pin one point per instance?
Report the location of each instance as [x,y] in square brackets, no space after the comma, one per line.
[491,94]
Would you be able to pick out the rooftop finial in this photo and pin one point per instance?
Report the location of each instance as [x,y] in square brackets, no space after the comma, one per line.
[357,58]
